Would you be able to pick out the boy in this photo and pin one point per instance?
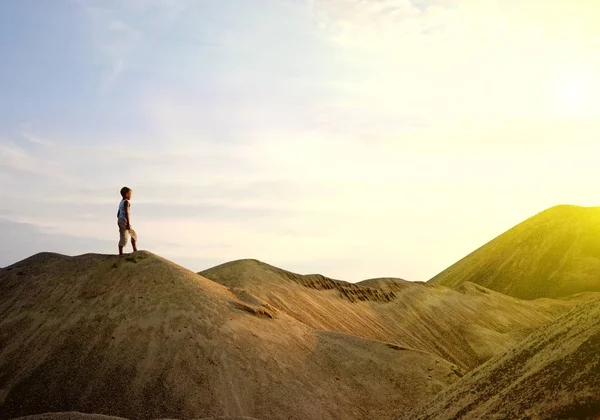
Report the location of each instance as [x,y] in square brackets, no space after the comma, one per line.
[124,221]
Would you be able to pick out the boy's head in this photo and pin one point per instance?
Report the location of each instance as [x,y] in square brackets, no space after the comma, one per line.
[126,193]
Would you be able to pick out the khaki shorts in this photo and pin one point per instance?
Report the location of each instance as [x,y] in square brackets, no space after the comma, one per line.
[124,233]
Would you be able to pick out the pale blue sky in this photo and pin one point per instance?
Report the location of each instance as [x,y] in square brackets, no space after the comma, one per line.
[353,138]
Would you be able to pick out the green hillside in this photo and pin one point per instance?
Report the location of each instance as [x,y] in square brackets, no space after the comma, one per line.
[555,253]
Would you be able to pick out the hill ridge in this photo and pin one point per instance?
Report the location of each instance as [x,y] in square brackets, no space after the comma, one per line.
[554,253]
[464,326]
[350,291]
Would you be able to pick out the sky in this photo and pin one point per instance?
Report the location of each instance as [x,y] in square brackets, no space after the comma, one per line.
[352,138]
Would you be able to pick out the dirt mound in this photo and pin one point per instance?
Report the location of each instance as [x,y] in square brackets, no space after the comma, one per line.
[465,327]
[391,284]
[139,337]
[553,374]
[82,416]
[255,270]
[72,415]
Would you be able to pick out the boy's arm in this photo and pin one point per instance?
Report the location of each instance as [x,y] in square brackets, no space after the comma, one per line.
[127,215]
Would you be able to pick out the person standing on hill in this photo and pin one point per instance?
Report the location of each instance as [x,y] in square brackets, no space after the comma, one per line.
[124,221]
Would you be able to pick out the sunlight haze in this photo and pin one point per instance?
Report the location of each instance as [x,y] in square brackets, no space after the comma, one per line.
[352,138]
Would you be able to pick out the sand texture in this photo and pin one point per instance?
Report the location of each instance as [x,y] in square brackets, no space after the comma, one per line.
[73,415]
[553,374]
[143,338]
[466,326]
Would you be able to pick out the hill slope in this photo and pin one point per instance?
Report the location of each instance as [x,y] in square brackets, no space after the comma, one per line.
[73,415]
[466,326]
[553,254]
[140,337]
[553,374]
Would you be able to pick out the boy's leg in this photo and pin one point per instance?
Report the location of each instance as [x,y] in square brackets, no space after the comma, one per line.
[124,236]
[133,239]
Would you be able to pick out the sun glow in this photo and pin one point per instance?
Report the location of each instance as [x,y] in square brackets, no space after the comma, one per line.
[576,94]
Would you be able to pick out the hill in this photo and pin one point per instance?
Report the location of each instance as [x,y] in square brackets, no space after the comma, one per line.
[465,326]
[553,254]
[553,374]
[139,337]
[73,415]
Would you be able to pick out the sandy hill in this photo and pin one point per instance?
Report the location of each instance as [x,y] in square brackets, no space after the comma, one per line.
[553,374]
[552,254]
[465,326]
[387,283]
[73,415]
[140,337]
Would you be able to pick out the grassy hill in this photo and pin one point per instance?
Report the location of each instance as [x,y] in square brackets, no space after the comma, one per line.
[555,253]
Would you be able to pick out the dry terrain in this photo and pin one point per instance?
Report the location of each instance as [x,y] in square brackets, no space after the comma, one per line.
[465,326]
[553,374]
[510,331]
[140,337]
[73,415]
[555,253]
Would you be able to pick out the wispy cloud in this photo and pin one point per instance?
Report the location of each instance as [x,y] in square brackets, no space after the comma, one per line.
[35,139]
[369,137]
[119,30]
[15,158]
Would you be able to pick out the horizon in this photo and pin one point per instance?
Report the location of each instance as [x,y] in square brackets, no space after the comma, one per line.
[267,262]
[356,139]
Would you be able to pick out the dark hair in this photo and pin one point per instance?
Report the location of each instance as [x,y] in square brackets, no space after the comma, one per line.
[124,191]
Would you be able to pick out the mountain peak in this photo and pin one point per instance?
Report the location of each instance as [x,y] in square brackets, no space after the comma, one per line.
[555,253]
